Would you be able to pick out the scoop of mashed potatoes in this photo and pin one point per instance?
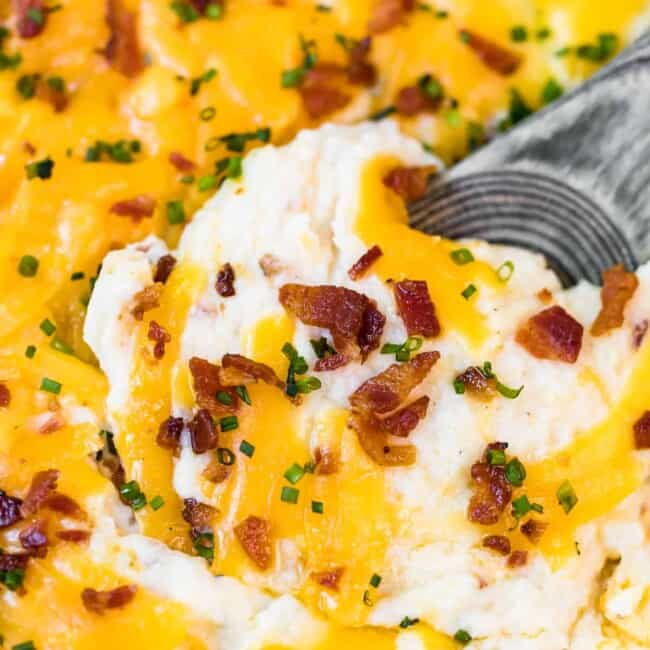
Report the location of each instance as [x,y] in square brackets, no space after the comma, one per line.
[374,437]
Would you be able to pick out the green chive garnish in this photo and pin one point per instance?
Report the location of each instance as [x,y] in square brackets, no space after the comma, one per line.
[289,494]
[30,351]
[28,266]
[468,291]
[375,580]
[247,448]
[57,344]
[317,507]
[157,502]
[519,34]
[208,113]
[515,472]
[175,212]
[505,271]
[225,456]
[506,391]
[50,386]
[294,473]
[207,183]
[408,622]
[47,327]
[566,496]
[224,398]
[229,423]
[463,637]
[242,391]
[496,457]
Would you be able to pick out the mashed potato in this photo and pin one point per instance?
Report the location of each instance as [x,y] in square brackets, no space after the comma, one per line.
[297,216]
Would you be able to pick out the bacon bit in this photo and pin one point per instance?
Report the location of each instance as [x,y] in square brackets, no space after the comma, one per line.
[13,561]
[492,493]
[342,311]
[497,58]
[42,485]
[638,336]
[329,579]
[29,148]
[533,529]
[53,96]
[270,265]
[359,268]
[254,534]
[332,362]
[207,383]
[386,14]
[619,286]
[74,535]
[64,505]
[545,296]
[385,392]
[225,281]
[360,70]
[498,543]
[5,396]
[477,384]
[9,510]
[327,461]
[319,91]
[412,100]
[99,601]
[161,336]
[146,300]
[203,433]
[169,433]
[517,559]
[34,538]
[402,422]
[123,48]
[137,208]
[238,369]
[216,472]
[164,268]
[180,162]
[26,25]
[552,334]
[199,516]
[642,432]
[52,424]
[416,309]
[409,182]
[374,441]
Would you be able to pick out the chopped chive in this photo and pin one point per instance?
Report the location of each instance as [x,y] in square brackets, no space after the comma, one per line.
[468,291]
[309,467]
[234,169]
[229,423]
[543,33]
[402,351]
[139,502]
[28,266]
[519,34]
[25,645]
[321,347]
[496,457]
[247,448]
[157,503]
[50,386]
[175,212]
[47,327]
[224,398]
[204,546]
[515,472]
[505,271]
[441,13]
[12,578]
[185,11]
[566,496]
[317,507]
[196,83]
[30,351]
[77,275]
[384,112]
[40,169]
[459,386]
[186,180]
[294,473]
[242,391]
[367,600]
[207,183]
[390,348]
[522,506]
[430,86]
[60,346]
[208,113]
[213,11]
[292,78]
[36,15]
[463,637]
[225,456]
[375,580]
[289,494]
[452,117]
[506,391]
[323,8]
[551,91]
[408,622]
[130,490]
[26,85]
[308,385]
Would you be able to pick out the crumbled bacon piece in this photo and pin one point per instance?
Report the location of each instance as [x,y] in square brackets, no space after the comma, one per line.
[31,17]
[146,300]
[497,58]
[29,148]
[360,70]
[533,529]
[642,432]
[374,441]
[386,391]
[351,317]
[180,162]
[327,461]
[54,96]
[416,309]
[169,433]
[477,384]
[52,424]
[517,559]
[203,433]
[492,493]
[99,601]
[5,396]
[13,561]
[160,336]
[402,422]
[237,369]
[137,208]
[199,516]
[42,485]
[409,182]
[225,284]
[270,265]
[359,268]
[413,100]
[331,362]
[545,296]
[638,335]
[73,535]
[330,578]
[216,472]
[552,334]
[254,534]
[207,383]
[619,286]
[498,543]
[33,538]
[386,14]
[164,267]
[64,505]
[9,510]
[321,90]
[123,48]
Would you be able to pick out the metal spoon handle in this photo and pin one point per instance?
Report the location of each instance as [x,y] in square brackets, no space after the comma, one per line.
[572,181]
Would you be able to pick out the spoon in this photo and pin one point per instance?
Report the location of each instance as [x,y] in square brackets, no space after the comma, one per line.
[572,182]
